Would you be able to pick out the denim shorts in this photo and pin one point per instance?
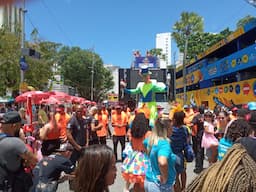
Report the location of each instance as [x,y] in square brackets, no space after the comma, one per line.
[155,187]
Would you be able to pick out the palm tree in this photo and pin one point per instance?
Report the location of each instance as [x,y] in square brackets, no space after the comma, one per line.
[189,24]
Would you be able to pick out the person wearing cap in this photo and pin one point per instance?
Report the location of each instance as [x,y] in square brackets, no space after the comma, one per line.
[119,123]
[147,92]
[48,172]
[62,119]
[13,154]
[92,126]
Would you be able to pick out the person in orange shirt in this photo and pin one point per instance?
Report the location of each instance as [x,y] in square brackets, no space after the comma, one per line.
[62,119]
[50,136]
[119,123]
[104,110]
[103,119]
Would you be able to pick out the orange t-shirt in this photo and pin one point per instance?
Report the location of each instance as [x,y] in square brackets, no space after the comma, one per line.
[120,119]
[62,121]
[189,115]
[105,112]
[104,120]
[137,143]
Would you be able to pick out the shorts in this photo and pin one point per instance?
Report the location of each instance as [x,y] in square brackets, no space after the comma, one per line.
[155,187]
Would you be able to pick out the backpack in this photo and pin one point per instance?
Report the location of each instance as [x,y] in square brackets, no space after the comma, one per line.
[18,181]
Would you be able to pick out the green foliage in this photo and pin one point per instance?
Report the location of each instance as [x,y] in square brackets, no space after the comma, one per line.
[158,53]
[42,66]
[9,60]
[76,68]
[190,26]
[244,20]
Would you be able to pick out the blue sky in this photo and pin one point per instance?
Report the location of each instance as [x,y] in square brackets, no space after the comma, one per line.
[117,27]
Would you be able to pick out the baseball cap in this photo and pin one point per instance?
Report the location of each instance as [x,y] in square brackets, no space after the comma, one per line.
[185,106]
[10,117]
[252,105]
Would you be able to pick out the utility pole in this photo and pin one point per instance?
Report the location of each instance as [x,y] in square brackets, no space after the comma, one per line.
[22,12]
[187,33]
[92,76]
[184,72]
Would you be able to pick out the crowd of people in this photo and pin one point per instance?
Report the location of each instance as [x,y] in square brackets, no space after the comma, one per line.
[72,145]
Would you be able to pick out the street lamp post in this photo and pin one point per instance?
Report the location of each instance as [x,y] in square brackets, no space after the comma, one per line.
[184,71]
[92,75]
[22,11]
[187,33]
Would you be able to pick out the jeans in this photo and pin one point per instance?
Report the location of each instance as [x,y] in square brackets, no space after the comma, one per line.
[117,139]
[154,187]
[199,151]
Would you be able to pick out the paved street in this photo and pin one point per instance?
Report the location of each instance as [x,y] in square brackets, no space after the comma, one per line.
[119,183]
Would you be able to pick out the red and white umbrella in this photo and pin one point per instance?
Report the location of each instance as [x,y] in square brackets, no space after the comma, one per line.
[36,96]
[51,101]
[75,99]
[61,96]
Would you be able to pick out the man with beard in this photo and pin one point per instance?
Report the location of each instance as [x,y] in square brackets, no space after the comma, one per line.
[76,133]
[13,154]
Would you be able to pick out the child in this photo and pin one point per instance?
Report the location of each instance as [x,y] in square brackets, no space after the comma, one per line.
[209,141]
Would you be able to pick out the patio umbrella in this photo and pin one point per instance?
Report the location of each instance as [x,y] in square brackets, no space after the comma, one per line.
[51,101]
[36,96]
[76,99]
[61,96]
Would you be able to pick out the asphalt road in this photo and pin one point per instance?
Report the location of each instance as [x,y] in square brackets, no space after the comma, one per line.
[119,182]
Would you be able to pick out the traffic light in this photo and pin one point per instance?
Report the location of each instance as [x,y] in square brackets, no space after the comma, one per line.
[30,52]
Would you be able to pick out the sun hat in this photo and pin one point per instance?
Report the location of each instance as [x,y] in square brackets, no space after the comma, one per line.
[10,117]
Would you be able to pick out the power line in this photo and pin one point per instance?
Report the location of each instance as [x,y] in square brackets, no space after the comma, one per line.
[56,22]
[32,24]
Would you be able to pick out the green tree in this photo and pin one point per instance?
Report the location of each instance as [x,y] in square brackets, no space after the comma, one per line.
[245,20]
[76,68]
[9,60]
[42,66]
[158,53]
[188,25]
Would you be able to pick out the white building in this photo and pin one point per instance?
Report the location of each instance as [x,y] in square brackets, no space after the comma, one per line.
[10,16]
[163,41]
[115,73]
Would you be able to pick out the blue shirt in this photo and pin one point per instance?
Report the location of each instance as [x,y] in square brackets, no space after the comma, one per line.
[224,145]
[163,148]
